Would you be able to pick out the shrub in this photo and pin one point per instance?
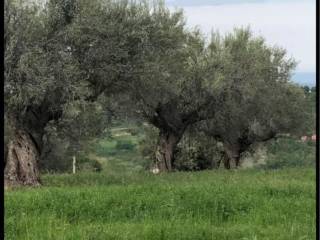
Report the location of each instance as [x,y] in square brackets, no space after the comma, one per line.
[89,165]
[124,145]
[196,152]
[288,152]
[97,166]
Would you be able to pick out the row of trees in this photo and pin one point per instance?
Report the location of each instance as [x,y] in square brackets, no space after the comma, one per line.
[68,55]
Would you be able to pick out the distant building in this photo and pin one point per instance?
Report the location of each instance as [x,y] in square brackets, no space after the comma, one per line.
[314,137]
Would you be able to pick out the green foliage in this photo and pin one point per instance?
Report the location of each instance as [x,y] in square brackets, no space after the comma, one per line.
[310,110]
[252,72]
[288,152]
[206,205]
[306,89]
[80,125]
[85,164]
[115,160]
[70,64]
[196,151]
[256,99]
[148,145]
[97,166]
[82,122]
[111,145]
[124,145]
[39,71]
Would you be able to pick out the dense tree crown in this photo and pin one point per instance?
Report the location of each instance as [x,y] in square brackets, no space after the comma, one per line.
[259,101]
[41,76]
[65,56]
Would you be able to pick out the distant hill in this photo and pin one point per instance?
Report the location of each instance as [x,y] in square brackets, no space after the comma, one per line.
[305,78]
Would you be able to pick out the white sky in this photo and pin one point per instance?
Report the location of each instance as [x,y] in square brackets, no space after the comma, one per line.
[289,24]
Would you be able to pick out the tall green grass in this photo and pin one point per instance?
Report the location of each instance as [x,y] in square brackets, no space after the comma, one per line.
[125,202]
[243,204]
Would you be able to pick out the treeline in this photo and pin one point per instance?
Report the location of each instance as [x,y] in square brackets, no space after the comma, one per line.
[72,65]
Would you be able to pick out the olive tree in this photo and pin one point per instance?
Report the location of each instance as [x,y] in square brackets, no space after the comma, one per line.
[157,68]
[40,77]
[258,99]
[70,50]
[171,92]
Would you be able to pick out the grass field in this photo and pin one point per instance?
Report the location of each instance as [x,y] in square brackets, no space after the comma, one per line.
[124,201]
[243,204]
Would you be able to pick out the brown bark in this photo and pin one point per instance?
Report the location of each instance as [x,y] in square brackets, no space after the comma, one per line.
[24,148]
[22,161]
[165,152]
[232,156]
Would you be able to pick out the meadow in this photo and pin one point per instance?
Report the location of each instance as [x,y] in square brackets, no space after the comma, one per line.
[98,93]
[245,204]
[124,201]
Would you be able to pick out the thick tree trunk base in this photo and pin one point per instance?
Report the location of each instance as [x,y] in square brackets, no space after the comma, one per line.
[230,162]
[232,156]
[164,154]
[22,162]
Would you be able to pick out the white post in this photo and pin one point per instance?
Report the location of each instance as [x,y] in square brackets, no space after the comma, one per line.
[74,165]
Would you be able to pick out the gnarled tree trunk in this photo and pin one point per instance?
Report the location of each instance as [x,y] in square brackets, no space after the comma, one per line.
[22,161]
[26,143]
[232,155]
[165,153]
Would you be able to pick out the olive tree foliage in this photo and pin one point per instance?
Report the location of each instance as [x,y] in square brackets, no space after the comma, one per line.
[70,50]
[310,108]
[259,101]
[171,92]
[62,57]
[107,40]
[174,97]
[144,53]
[80,125]
[40,77]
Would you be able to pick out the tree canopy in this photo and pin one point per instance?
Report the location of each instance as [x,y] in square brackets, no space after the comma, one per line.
[259,101]
[65,56]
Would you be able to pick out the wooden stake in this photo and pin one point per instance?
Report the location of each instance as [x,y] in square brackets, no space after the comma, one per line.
[74,165]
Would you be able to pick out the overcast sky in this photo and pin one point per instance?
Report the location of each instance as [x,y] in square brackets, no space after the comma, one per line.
[286,23]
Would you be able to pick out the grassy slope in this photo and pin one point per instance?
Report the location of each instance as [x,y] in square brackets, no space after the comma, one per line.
[116,160]
[243,204]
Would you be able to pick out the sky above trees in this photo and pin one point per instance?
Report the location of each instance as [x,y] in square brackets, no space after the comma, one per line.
[286,23]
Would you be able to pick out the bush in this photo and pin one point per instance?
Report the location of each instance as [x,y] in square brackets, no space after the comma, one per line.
[89,165]
[124,145]
[197,152]
[55,156]
[97,166]
[288,152]
[194,152]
